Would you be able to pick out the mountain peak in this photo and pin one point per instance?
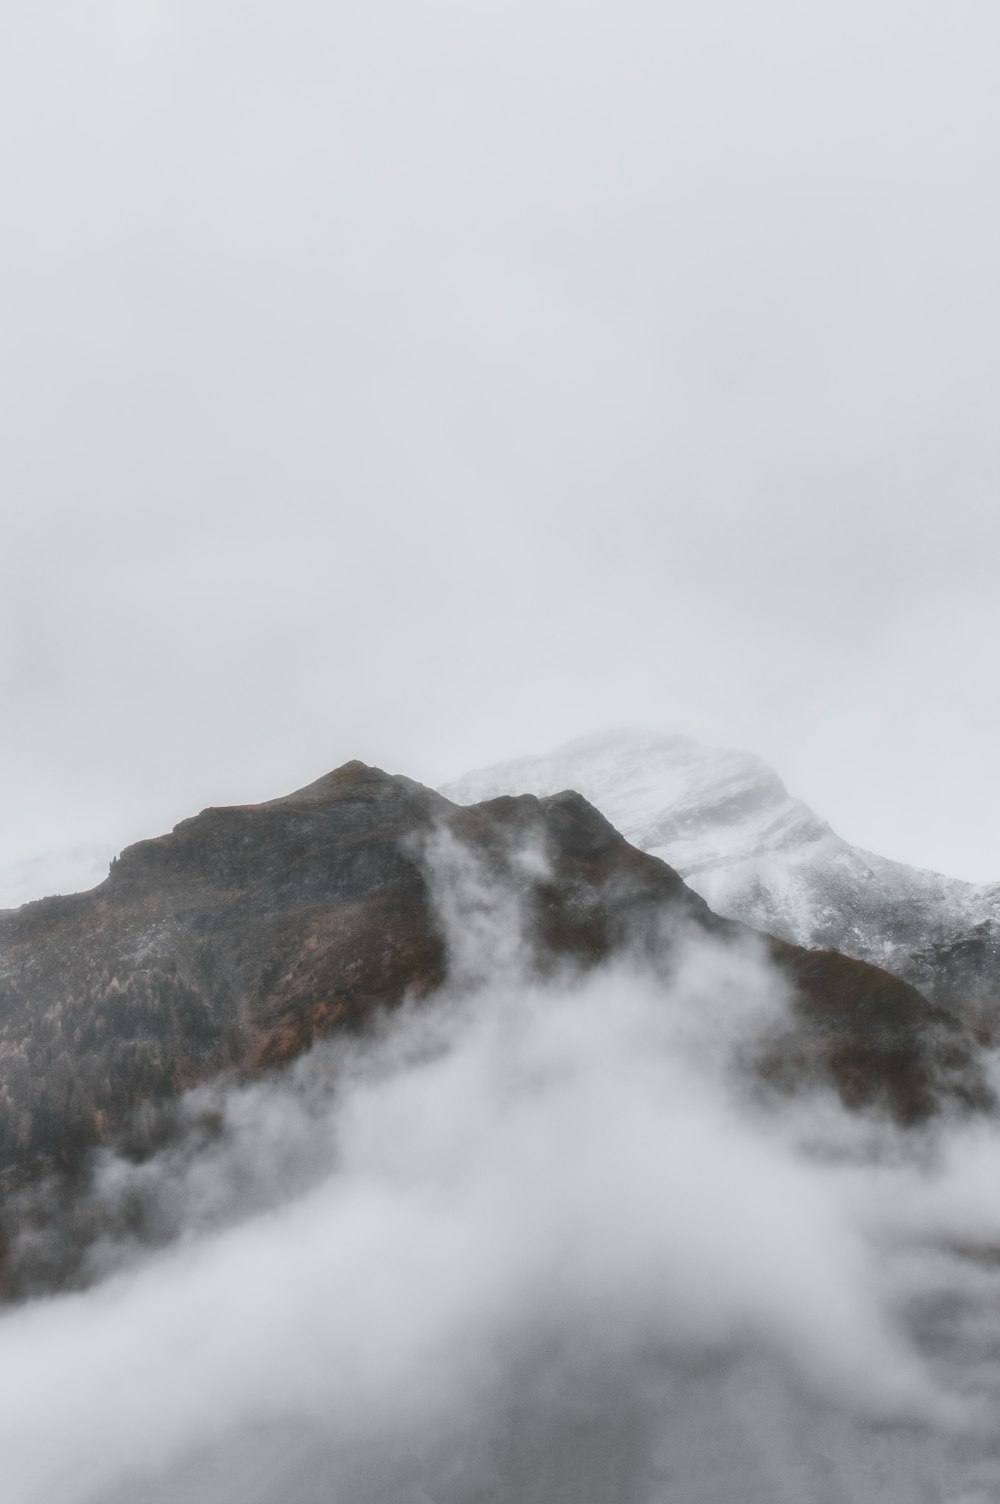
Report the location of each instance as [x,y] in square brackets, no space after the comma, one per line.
[688,803]
[349,776]
[725,821]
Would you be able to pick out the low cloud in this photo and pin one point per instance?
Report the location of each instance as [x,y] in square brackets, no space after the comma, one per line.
[528,1227]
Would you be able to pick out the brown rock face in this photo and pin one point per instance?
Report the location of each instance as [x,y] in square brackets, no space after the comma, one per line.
[232,943]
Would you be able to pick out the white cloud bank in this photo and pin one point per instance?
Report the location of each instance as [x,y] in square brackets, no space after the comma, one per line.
[535,1241]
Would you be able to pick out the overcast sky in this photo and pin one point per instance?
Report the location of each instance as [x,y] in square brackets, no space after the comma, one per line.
[432,381]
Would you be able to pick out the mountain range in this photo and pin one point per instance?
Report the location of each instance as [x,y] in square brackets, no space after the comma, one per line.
[225,948]
[724,820]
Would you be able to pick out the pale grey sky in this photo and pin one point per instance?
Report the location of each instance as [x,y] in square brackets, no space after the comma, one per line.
[433,382]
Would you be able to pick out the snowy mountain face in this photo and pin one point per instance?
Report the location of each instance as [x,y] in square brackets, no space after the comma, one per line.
[726,823]
[72,871]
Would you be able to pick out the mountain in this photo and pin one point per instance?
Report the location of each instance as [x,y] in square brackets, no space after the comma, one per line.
[232,943]
[725,821]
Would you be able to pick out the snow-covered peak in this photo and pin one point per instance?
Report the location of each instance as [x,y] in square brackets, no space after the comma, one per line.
[665,794]
[726,822]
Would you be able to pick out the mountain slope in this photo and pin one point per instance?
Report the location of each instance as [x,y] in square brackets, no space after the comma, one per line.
[726,823]
[232,943]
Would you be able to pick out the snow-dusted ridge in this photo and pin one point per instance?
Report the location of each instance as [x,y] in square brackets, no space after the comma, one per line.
[726,822]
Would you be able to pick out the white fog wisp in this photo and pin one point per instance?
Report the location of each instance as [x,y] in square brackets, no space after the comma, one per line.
[527,1210]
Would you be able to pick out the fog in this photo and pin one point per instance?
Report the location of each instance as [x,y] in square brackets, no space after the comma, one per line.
[431,383]
[527,1241]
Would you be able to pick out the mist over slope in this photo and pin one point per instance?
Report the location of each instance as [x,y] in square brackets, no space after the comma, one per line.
[229,946]
[539,1237]
[727,824]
